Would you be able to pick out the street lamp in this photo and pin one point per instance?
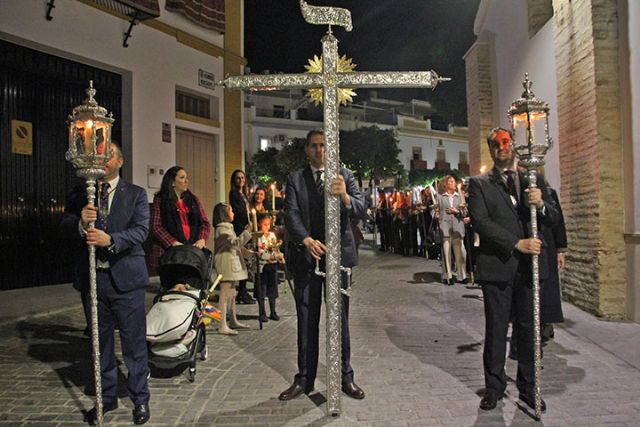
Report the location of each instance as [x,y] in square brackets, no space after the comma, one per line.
[530,126]
[89,151]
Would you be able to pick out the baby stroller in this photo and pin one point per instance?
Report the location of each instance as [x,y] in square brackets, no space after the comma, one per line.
[175,332]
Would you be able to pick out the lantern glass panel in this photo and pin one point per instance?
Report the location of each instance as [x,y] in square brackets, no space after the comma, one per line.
[537,128]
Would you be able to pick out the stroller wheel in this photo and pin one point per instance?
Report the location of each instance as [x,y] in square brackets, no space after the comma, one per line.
[204,353]
[192,374]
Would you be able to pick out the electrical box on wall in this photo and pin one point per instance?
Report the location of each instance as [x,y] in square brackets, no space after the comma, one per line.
[154,176]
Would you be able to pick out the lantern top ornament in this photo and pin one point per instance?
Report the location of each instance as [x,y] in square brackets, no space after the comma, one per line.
[89,136]
[529,118]
[527,101]
[90,107]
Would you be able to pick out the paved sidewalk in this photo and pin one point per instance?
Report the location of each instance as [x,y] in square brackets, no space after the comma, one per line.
[417,352]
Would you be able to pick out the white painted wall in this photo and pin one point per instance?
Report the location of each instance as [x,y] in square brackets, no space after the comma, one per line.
[634,72]
[632,164]
[430,145]
[516,54]
[152,66]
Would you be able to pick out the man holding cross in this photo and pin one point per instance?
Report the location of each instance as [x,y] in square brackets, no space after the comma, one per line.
[305,223]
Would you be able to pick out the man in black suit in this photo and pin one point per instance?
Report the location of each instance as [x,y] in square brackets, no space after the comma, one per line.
[122,225]
[305,223]
[499,202]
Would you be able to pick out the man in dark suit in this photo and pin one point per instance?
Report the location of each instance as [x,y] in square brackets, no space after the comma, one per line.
[122,225]
[305,223]
[499,203]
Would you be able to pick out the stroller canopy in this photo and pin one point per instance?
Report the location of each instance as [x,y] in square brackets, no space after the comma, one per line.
[186,264]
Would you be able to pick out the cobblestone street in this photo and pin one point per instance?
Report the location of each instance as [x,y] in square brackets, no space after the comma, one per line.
[417,353]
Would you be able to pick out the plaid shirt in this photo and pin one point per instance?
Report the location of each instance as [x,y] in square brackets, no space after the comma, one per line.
[162,239]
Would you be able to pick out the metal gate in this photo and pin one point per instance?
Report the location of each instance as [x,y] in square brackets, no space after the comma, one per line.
[40,89]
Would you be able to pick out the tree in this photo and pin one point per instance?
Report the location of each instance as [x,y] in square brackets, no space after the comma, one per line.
[292,157]
[263,168]
[370,152]
[272,165]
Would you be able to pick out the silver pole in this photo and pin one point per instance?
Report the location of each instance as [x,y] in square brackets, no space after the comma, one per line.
[332,226]
[93,295]
[536,301]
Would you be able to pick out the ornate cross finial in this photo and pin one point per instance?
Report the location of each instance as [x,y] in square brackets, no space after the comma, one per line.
[526,84]
[326,15]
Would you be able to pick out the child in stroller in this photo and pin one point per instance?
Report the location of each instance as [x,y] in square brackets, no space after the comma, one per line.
[175,330]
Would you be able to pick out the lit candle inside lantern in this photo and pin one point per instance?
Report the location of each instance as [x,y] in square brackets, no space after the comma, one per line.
[88,130]
[254,220]
[273,197]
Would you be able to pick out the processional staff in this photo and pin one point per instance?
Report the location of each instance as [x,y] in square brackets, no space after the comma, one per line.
[89,151]
[529,118]
[331,80]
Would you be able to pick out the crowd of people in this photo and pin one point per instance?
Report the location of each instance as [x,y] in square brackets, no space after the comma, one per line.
[432,222]
[489,220]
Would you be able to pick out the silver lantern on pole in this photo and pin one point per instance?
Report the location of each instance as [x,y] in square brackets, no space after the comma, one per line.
[529,117]
[89,151]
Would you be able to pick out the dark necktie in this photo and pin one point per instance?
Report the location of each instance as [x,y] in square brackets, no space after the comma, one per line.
[103,206]
[511,186]
[319,182]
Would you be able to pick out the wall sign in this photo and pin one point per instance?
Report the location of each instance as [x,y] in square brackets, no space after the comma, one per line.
[21,137]
[166,132]
[206,79]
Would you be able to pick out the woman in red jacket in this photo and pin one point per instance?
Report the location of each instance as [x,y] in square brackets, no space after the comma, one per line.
[177,216]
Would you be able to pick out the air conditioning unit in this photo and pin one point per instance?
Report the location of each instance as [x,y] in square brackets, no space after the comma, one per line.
[280,139]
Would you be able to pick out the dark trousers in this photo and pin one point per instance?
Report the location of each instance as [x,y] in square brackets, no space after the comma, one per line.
[127,308]
[501,299]
[268,282]
[308,295]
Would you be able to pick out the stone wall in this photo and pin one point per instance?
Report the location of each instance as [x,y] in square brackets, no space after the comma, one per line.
[480,104]
[586,50]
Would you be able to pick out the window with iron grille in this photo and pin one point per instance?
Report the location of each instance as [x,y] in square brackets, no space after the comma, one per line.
[194,105]
[441,155]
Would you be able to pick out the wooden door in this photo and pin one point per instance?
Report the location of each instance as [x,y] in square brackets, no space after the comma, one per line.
[196,153]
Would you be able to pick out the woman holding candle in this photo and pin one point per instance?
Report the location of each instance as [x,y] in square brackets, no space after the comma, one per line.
[241,208]
[451,212]
[177,216]
[258,199]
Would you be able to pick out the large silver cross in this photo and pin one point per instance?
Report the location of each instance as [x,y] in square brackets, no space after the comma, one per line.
[329,80]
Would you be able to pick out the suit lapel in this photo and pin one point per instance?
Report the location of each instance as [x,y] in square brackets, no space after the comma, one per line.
[307,178]
[496,178]
[117,203]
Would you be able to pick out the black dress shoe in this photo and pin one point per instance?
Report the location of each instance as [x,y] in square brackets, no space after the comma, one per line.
[246,299]
[530,400]
[291,393]
[490,400]
[141,414]
[91,417]
[352,390]
[274,316]
[264,318]
[463,281]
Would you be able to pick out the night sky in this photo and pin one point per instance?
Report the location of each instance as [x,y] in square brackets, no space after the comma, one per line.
[387,35]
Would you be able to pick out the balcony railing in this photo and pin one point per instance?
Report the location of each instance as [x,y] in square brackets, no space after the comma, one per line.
[418,164]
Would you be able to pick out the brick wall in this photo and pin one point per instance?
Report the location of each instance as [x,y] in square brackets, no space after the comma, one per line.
[480,104]
[586,50]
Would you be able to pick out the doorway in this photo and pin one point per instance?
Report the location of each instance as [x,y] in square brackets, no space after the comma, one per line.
[197,153]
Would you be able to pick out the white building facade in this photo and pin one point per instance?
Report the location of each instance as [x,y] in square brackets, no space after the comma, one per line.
[276,117]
